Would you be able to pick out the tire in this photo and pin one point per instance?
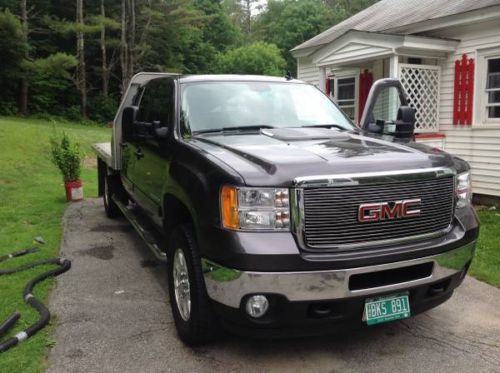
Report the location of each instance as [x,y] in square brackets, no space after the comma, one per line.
[110,188]
[198,327]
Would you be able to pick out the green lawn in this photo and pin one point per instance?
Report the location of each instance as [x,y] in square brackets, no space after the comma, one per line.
[32,202]
[486,263]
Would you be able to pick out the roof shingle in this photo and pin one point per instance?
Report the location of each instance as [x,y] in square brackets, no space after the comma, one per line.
[389,14]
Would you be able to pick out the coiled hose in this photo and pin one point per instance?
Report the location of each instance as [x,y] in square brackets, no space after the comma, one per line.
[63,266]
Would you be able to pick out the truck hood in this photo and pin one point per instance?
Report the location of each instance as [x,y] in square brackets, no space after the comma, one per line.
[277,156]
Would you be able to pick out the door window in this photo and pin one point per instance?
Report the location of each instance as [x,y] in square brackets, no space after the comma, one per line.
[157,102]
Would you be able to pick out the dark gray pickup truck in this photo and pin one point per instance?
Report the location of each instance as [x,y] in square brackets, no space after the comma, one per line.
[276,214]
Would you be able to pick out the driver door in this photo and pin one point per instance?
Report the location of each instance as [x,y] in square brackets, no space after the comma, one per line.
[155,110]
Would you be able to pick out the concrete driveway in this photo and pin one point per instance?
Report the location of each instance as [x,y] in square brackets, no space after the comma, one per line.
[112,315]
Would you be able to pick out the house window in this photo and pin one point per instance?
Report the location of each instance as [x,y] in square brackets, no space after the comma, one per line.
[345,95]
[493,88]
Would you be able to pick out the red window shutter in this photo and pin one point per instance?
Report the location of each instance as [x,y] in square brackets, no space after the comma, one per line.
[463,91]
[327,86]
[365,83]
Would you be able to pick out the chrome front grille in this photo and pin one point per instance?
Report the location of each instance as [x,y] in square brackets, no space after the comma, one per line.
[330,213]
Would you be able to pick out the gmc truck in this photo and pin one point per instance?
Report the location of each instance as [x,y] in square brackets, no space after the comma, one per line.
[275,214]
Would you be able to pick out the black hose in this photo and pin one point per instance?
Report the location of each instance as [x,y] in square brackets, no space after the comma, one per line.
[18,253]
[7,324]
[64,265]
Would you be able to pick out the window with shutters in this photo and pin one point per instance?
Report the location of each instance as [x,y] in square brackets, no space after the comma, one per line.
[493,88]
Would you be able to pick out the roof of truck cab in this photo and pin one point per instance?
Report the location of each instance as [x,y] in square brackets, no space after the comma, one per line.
[234,78]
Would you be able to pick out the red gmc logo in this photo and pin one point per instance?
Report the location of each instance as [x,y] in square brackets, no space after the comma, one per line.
[389,210]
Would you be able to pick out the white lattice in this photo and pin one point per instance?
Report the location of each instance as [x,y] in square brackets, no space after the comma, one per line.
[421,83]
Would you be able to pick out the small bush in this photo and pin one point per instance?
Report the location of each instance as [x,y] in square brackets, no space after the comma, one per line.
[7,108]
[102,109]
[71,113]
[258,58]
[66,155]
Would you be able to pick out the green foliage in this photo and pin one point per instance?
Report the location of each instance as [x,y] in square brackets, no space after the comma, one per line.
[12,44]
[186,36]
[7,108]
[12,48]
[66,156]
[50,81]
[257,58]
[288,23]
[103,109]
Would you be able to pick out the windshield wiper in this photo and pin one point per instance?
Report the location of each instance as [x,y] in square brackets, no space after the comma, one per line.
[236,128]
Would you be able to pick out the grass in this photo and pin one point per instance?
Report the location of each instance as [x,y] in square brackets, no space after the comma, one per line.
[486,263]
[32,202]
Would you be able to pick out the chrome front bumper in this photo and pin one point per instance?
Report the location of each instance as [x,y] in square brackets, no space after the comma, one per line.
[229,286]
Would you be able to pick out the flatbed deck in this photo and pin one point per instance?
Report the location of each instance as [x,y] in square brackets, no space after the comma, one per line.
[103,151]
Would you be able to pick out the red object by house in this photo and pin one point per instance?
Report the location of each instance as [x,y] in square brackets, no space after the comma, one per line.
[464,91]
[365,83]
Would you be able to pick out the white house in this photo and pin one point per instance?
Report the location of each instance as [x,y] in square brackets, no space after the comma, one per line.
[447,55]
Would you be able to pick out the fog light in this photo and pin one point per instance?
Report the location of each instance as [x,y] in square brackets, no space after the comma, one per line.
[257,306]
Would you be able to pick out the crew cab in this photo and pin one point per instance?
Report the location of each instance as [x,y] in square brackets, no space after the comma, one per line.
[275,214]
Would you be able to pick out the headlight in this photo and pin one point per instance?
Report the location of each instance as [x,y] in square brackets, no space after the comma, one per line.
[463,190]
[255,208]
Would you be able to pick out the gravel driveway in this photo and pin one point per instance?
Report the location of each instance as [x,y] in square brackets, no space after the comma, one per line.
[112,315]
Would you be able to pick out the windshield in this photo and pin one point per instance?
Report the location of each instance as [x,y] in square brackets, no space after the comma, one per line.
[207,106]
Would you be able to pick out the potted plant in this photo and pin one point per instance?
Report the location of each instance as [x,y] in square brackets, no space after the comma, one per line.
[67,157]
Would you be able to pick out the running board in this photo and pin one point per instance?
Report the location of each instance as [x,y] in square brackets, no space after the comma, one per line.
[149,236]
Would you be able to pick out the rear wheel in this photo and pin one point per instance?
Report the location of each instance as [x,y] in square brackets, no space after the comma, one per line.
[192,313]
[110,188]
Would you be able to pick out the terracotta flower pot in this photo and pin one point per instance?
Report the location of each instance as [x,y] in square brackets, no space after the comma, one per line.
[74,190]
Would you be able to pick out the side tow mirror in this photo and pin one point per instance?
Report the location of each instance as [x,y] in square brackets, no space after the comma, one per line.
[405,123]
[129,116]
[160,133]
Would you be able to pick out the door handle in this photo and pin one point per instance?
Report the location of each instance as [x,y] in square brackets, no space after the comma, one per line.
[139,154]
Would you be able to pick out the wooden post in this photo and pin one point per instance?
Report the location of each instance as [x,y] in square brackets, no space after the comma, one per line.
[322,79]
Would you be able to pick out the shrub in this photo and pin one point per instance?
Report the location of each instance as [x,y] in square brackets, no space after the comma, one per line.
[7,108]
[257,58]
[66,155]
[102,109]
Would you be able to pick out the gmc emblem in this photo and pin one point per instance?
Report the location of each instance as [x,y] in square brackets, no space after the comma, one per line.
[389,210]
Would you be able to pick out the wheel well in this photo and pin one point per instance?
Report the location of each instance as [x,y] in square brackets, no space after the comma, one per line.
[174,213]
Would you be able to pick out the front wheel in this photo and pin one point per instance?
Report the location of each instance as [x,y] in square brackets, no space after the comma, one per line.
[194,320]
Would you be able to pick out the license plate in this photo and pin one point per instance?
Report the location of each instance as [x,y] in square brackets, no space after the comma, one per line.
[385,309]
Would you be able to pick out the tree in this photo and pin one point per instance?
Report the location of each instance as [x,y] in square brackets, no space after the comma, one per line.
[50,80]
[288,23]
[81,73]
[107,64]
[23,99]
[13,46]
[247,6]
[257,58]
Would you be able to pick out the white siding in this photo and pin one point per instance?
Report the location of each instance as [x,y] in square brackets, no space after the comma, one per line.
[307,71]
[478,144]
